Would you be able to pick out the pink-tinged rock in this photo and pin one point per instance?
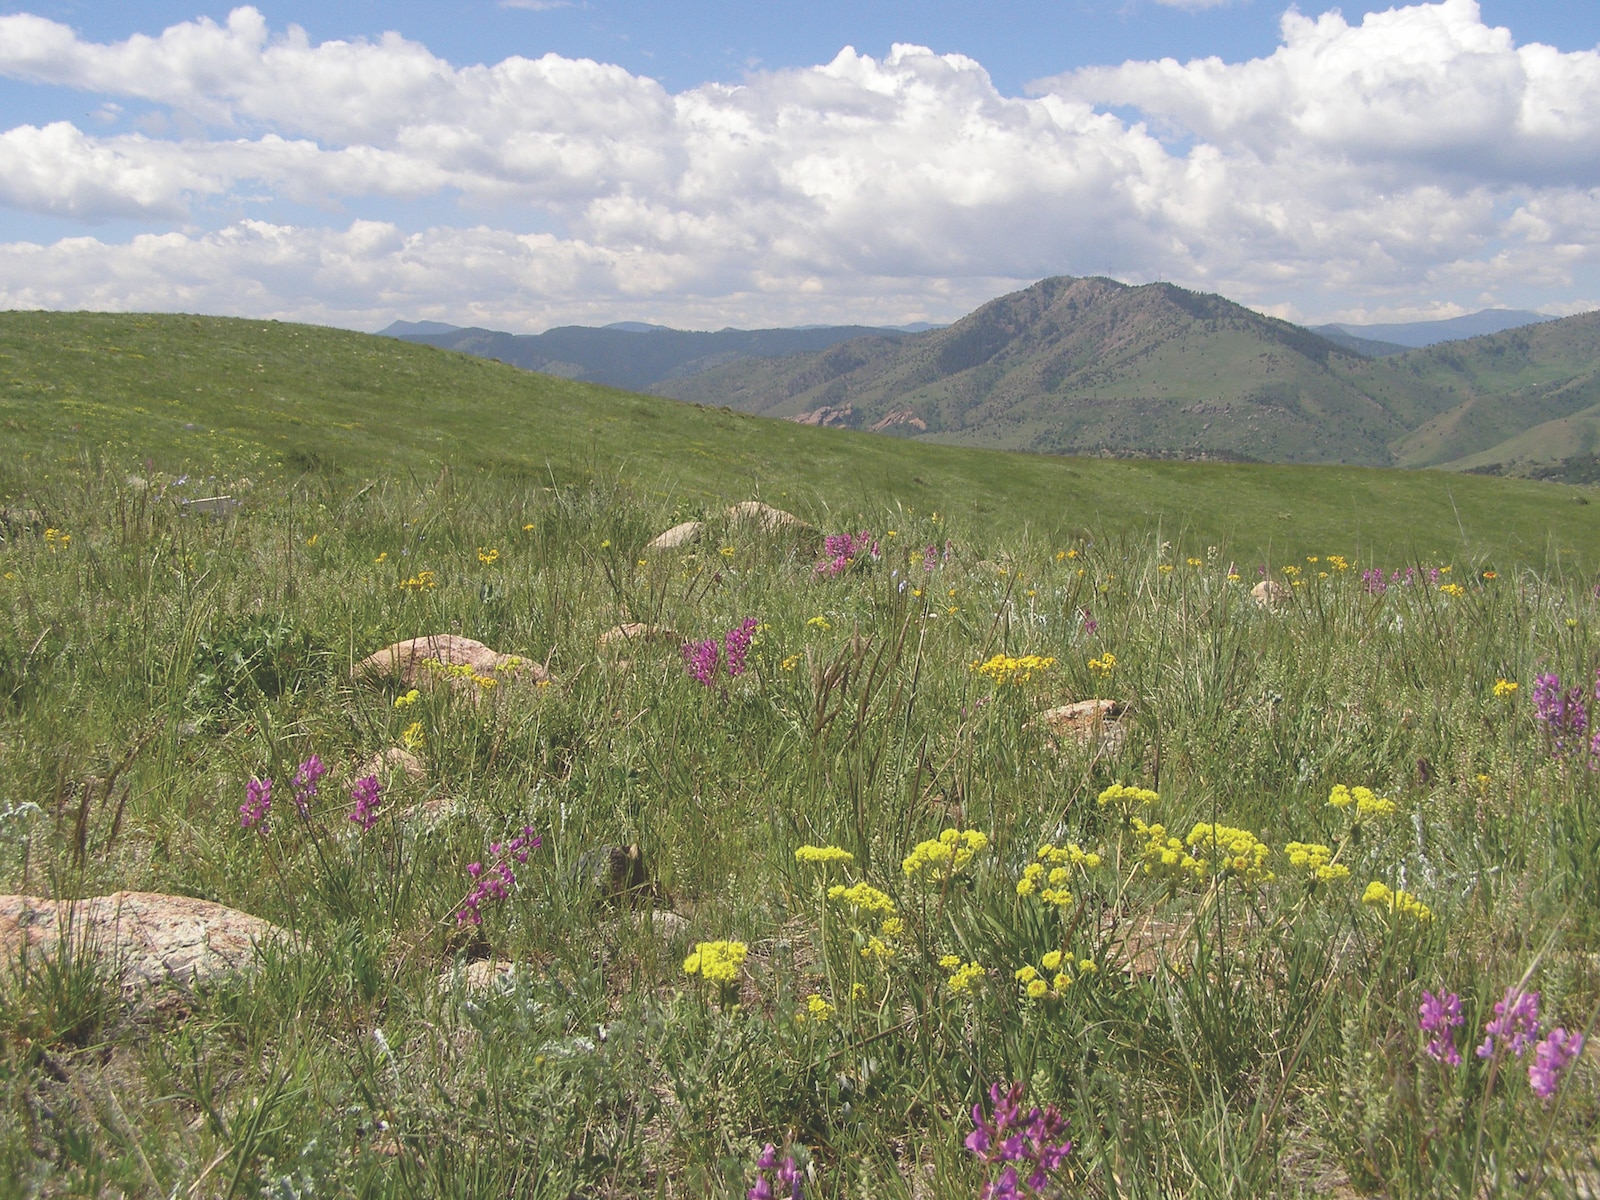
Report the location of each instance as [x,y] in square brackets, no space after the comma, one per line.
[1087,722]
[403,661]
[146,938]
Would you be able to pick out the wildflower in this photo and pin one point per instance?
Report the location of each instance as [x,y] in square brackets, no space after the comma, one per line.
[488,556]
[1378,895]
[1373,580]
[1490,575]
[384,557]
[790,663]
[1515,1024]
[1126,796]
[1453,589]
[949,962]
[422,581]
[1195,562]
[821,623]
[1563,714]
[963,978]
[312,540]
[1086,618]
[1229,852]
[528,528]
[1104,665]
[946,856]
[367,795]
[716,962]
[1003,669]
[818,1009]
[858,991]
[863,897]
[488,887]
[736,644]
[700,660]
[1504,689]
[1367,802]
[408,699]
[840,551]
[1163,854]
[257,803]
[1034,1144]
[824,855]
[788,1176]
[1439,1015]
[726,551]
[411,737]
[1551,1057]
[1316,860]
[306,776]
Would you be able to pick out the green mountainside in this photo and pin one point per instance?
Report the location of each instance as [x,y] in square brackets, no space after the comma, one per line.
[234,398]
[1084,366]
[1091,366]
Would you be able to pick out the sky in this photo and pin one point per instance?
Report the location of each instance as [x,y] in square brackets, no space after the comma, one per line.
[519,164]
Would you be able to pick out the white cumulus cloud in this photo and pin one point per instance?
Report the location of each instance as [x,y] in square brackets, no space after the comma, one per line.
[1418,158]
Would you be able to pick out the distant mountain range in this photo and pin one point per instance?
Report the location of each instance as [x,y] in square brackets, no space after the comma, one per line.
[1092,366]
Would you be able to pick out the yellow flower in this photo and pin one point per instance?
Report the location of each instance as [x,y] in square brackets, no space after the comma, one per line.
[726,552]
[858,991]
[1127,796]
[1027,974]
[818,1008]
[963,978]
[877,948]
[1003,669]
[821,623]
[422,581]
[382,557]
[1104,665]
[1379,895]
[1229,852]
[824,855]
[488,556]
[716,962]
[1036,989]
[946,856]
[1504,689]
[790,663]
[950,962]
[863,897]
[1315,860]
[408,699]
[1051,961]
[1452,589]
[411,738]
[1490,575]
[528,528]
[1165,568]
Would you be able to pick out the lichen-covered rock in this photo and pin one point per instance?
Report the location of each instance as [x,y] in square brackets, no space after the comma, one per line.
[679,536]
[1087,722]
[634,635]
[146,938]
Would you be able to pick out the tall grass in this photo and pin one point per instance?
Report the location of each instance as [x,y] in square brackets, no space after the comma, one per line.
[1221,1036]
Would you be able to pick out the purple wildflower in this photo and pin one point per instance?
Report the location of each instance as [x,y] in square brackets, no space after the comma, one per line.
[1035,1143]
[306,776]
[1374,582]
[1440,1015]
[257,802]
[494,883]
[736,642]
[700,660]
[1087,618]
[930,558]
[1515,1023]
[841,550]
[1564,714]
[1551,1057]
[788,1176]
[367,795]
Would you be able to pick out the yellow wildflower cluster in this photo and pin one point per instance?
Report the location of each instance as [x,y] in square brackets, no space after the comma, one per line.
[1504,689]
[422,581]
[790,663]
[488,555]
[1452,589]
[1103,665]
[716,962]
[1379,895]
[55,538]
[962,976]
[1367,803]
[1338,562]
[823,855]
[1163,855]
[863,897]
[1003,669]
[1127,797]
[1230,852]
[1316,860]
[946,856]
[1048,877]
[816,1009]
[459,671]
[1059,967]
[411,738]
[821,623]
[408,699]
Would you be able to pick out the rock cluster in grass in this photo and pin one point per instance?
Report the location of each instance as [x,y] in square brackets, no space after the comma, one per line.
[750,515]
[1090,723]
[145,939]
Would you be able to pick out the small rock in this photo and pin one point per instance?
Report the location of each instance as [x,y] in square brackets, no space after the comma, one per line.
[1087,722]
[148,938]
[396,761]
[1269,593]
[402,662]
[676,537]
[766,518]
[637,634]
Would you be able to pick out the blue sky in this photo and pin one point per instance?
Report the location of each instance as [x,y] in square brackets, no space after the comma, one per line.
[725,164]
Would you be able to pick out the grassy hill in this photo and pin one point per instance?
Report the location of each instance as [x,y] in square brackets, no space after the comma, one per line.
[222,397]
[1082,366]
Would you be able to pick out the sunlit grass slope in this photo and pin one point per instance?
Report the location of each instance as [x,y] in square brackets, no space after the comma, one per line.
[225,397]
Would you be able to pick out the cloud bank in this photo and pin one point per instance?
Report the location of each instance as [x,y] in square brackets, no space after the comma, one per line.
[1413,163]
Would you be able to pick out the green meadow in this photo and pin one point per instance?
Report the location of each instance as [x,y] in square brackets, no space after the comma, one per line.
[824,862]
